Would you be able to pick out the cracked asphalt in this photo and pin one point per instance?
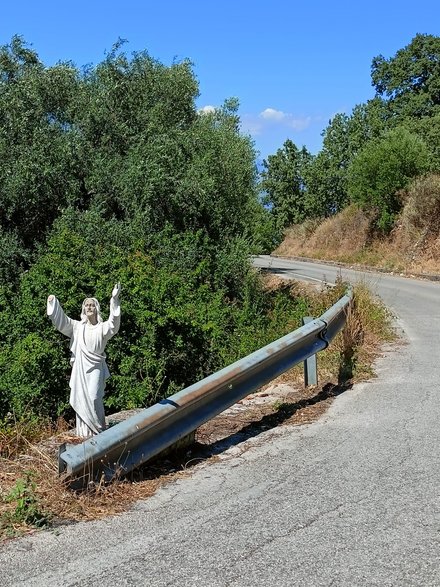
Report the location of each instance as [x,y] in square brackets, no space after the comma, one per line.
[350,500]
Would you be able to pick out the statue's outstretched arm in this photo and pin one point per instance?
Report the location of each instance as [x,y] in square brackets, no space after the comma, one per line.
[111,326]
[116,290]
[59,319]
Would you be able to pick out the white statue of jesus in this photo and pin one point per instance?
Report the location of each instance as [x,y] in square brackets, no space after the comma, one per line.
[88,338]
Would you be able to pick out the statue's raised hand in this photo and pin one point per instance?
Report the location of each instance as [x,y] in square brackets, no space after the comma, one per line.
[116,290]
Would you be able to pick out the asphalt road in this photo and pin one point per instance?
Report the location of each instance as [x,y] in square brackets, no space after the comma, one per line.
[351,500]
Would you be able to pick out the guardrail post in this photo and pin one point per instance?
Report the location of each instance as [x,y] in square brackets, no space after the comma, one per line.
[310,364]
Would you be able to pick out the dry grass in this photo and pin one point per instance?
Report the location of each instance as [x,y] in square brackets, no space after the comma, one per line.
[413,247]
[351,355]
[422,205]
[58,501]
[330,238]
[368,327]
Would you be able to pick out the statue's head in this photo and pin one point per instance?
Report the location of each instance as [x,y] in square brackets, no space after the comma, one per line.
[91,311]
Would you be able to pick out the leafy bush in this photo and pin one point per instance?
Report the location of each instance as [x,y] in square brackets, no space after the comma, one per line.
[27,511]
[110,174]
[190,306]
[384,167]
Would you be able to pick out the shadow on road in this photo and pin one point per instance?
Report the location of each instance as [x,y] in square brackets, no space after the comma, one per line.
[284,412]
[277,270]
[185,459]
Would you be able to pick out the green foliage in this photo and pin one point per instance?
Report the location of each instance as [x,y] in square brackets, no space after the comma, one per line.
[407,96]
[110,174]
[28,510]
[123,137]
[345,136]
[409,86]
[325,180]
[410,80]
[326,176]
[37,160]
[428,129]
[283,184]
[261,232]
[13,257]
[190,306]
[30,372]
[384,167]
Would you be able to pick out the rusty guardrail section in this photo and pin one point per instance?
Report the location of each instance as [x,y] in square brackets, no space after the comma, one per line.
[127,445]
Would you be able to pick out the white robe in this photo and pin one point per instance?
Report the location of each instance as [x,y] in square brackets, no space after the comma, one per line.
[89,369]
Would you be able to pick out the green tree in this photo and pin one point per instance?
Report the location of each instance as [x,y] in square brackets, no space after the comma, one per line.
[326,176]
[409,85]
[384,167]
[428,129]
[37,159]
[410,81]
[124,137]
[284,191]
[344,137]
[407,96]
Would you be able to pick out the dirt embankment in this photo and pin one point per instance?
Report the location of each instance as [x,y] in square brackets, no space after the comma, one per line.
[412,247]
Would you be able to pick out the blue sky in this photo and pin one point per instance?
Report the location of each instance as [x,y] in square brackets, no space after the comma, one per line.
[292,65]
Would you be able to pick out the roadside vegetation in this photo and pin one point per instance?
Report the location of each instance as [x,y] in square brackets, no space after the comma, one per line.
[32,494]
[108,173]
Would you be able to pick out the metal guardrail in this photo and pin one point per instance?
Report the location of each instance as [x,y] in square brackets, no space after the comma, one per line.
[127,445]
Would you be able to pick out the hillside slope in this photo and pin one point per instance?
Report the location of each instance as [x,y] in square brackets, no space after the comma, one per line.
[413,246]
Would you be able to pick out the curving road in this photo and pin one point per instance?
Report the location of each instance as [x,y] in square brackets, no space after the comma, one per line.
[352,500]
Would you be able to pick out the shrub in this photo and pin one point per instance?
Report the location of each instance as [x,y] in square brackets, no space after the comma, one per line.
[384,167]
[27,511]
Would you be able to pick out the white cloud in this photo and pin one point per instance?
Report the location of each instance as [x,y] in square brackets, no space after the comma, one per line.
[272,114]
[208,109]
[269,118]
[286,119]
[271,121]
